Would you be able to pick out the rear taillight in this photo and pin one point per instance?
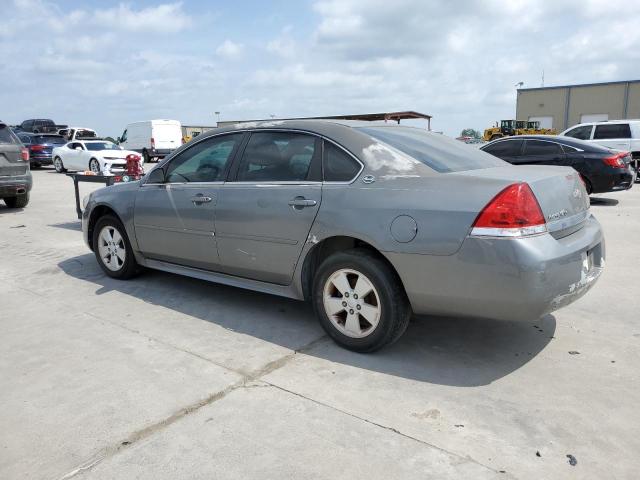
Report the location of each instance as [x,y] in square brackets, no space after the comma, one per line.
[36,148]
[153,143]
[24,154]
[616,161]
[514,212]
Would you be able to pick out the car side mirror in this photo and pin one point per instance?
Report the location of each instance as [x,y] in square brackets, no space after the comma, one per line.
[156,176]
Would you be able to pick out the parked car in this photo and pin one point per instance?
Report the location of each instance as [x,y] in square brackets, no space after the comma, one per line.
[370,222]
[99,156]
[153,139]
[77,133]
[602,169]
[623,135]
[39,125]
[15,175]
[40,146]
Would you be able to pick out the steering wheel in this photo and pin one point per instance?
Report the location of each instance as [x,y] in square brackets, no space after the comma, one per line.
[208,172]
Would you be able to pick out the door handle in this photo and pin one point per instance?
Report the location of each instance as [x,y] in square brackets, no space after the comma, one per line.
[301,202]
[200,199]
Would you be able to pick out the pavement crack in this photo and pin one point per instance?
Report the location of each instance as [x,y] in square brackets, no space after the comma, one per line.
[458,456]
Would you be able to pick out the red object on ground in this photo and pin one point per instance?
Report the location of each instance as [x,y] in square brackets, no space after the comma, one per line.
[134,169]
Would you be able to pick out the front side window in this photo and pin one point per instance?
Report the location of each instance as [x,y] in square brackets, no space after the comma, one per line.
[581,133]
[277,157]
[206,161]
[338,165]
[615,130]
[539,147]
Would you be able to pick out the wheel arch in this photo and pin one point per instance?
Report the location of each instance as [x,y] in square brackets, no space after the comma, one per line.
[98,212]
[328,246]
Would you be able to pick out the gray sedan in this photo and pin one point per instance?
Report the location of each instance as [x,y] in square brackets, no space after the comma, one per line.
[370,222]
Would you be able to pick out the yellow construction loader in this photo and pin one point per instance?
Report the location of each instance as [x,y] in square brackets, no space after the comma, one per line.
[509,128]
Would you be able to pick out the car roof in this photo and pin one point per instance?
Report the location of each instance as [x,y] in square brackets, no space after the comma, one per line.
[604,122]
[562,140]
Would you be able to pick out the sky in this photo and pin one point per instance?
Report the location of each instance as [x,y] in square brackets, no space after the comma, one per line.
[101,64]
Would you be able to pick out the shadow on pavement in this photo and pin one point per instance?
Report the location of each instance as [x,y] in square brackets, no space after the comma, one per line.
[77,225]
[607,202]
[441,350]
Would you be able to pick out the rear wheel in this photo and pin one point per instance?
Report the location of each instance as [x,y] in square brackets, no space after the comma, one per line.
[58,165]
[19,201]
[360,301]
[145,156]
[112,248]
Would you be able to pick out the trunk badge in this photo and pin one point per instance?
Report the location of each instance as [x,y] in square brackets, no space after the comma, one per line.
[368,179]
[557,215]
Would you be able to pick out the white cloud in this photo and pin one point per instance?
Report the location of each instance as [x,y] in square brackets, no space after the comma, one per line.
[167,17]
[230,50]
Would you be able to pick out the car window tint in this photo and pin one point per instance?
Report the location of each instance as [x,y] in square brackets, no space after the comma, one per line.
[338,165]
[277,157]
[616,130]
[206,161]
[435,151]
[6,136]
[540,147]
[504,148]
[582,133]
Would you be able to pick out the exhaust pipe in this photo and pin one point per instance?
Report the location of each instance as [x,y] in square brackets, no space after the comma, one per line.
[21,190]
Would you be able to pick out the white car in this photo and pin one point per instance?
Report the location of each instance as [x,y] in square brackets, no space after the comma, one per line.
[623,135]
[99,156]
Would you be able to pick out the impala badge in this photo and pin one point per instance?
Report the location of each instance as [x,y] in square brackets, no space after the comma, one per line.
[557,215]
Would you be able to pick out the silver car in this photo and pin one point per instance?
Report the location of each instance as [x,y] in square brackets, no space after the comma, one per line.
[370,222]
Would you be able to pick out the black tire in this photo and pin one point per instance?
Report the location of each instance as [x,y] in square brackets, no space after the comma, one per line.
[130,267]
[145,156]
[395,307]
[19,201]
[36,166]
[58,165]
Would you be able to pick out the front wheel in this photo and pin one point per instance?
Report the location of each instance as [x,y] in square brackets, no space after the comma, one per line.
[58,165]
[360,301]
[112,248]
[94,166]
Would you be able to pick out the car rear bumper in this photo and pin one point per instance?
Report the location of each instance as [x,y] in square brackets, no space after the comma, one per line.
[508,279]
[11,186]
[46,159]
[614,180]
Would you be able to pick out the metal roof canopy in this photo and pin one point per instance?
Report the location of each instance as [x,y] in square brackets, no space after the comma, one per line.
[367,117]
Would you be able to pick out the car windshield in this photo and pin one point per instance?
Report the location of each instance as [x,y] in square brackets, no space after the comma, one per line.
[94,146]
[56,139]
[436,151]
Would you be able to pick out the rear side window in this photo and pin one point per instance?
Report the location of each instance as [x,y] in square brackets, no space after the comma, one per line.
[6,135]
[582,133]
[539,147]
[505,148]
[435,151]
[278,157]
[616,130]
[338,165]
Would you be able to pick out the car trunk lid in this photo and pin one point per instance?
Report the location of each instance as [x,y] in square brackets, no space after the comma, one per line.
[11,162]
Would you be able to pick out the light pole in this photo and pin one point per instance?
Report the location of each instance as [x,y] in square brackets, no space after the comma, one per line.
[518,85]
[218,120]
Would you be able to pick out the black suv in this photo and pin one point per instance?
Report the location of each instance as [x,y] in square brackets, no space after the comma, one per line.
[38,125]
[15,175]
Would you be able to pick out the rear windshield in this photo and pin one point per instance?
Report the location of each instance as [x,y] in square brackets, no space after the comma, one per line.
[96,146]
[48,139]
[86,134]
[438,152]
[6,135]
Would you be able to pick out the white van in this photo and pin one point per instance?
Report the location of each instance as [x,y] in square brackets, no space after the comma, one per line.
[154,139]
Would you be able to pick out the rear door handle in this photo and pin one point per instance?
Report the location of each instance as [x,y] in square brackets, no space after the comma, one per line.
[199,199]
[302,202]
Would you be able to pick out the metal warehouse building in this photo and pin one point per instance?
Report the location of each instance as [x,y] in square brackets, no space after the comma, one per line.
[564,106]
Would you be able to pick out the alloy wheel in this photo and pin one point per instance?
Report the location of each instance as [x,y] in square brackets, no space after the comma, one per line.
[94,166]
[111,248]
[352,303]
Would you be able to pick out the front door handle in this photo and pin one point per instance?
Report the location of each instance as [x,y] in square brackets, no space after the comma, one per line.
[301,202]
[200,199]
